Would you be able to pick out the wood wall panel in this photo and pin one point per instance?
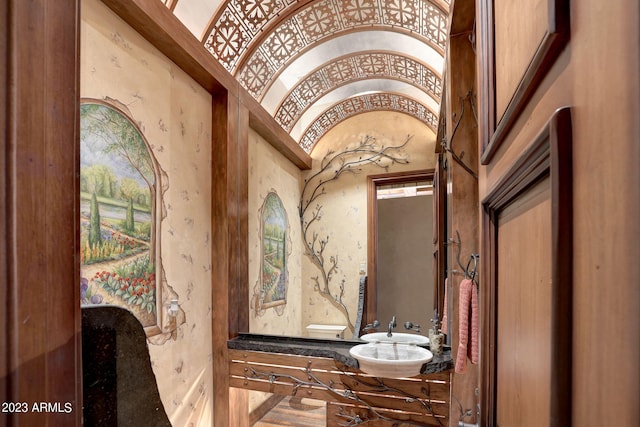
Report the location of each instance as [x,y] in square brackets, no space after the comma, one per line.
[461,187]
[4,246]
[547,226]
[40,159]
[519,29]
[229,252]
[606,65]
[524,310]
[220,255]
[508,36]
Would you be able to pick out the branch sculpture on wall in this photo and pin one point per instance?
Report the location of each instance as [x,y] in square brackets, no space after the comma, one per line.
[332,166]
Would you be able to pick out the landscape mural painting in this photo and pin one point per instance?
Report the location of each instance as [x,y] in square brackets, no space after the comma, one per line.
[273,277]
[117,214]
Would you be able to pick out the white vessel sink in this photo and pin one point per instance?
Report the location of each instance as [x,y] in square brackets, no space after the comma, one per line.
[390,360]
[398,337]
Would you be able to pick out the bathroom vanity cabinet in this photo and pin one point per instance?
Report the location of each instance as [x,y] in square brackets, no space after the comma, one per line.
[323,370]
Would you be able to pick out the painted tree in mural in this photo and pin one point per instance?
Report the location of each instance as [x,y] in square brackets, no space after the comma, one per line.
[94,222]
[333,165]
[99,179]
[129,190]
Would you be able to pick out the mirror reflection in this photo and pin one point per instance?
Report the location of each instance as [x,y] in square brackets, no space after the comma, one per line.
[404,272]
[317,274]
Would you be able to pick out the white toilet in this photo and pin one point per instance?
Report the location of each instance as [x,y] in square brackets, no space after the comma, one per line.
[326,331]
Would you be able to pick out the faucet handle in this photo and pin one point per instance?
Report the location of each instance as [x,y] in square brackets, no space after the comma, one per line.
[374,325]
[411,327]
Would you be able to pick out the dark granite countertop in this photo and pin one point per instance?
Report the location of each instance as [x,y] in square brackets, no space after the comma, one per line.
[333,349]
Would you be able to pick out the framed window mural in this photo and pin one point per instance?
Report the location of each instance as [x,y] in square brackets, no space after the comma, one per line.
[120,205]
[271,289]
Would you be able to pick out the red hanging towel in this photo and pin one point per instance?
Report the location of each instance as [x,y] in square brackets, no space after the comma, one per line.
[445,308]
[468,325]
[474,329]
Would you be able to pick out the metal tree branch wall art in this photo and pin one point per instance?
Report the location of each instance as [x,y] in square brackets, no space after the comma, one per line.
[351,160]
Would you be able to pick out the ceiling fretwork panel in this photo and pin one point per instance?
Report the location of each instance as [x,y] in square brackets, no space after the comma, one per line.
[238,29]
[361,104]
[352,68]
[331,18]
[307,61]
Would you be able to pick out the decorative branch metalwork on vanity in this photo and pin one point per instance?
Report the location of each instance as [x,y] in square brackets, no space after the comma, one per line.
[353,398]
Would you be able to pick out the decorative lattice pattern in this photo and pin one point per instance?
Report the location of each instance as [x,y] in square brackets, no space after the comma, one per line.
[357,105]
[351,69]
[242,21]
[325,18]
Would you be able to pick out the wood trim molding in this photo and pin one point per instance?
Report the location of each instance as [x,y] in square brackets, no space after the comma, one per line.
[374,181]
[229,229]
[550,154]
[4,242]
[551,45]
[270,130]
[440,235]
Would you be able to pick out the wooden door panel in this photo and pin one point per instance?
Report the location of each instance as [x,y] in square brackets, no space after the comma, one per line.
[524,313]
[527,297]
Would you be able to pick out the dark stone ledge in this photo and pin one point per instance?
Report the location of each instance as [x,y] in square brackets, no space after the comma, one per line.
[314,347]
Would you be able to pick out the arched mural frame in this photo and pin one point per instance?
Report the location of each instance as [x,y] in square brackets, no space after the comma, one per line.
[267,293]
[144,291]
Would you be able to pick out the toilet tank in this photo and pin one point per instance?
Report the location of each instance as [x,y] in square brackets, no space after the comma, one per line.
[326,331]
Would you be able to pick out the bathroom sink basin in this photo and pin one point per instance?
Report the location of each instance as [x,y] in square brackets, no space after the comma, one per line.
[390,360]
[398,337]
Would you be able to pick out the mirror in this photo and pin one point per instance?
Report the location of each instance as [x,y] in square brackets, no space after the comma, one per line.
[327,231]
[402,238]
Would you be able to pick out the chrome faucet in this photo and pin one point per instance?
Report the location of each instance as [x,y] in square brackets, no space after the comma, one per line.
[392,325]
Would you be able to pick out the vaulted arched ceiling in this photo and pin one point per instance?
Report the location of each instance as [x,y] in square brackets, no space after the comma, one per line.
[314,63]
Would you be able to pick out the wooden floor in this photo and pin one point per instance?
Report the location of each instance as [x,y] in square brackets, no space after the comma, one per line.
[295,411]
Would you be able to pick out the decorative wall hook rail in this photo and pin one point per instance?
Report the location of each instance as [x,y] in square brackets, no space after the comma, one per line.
[448,145]
[471,274]
[467,272]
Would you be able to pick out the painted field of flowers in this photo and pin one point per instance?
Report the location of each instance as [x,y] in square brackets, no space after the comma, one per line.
[134,283]
[112,245]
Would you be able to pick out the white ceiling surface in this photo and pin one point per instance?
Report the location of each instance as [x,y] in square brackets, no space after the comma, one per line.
[197,15]
[348,44]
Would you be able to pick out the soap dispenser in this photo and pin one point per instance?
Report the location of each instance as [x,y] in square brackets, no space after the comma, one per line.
[436,337]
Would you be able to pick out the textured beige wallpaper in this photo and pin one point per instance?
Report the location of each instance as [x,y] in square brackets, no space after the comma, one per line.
[174,114]
[271,171]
